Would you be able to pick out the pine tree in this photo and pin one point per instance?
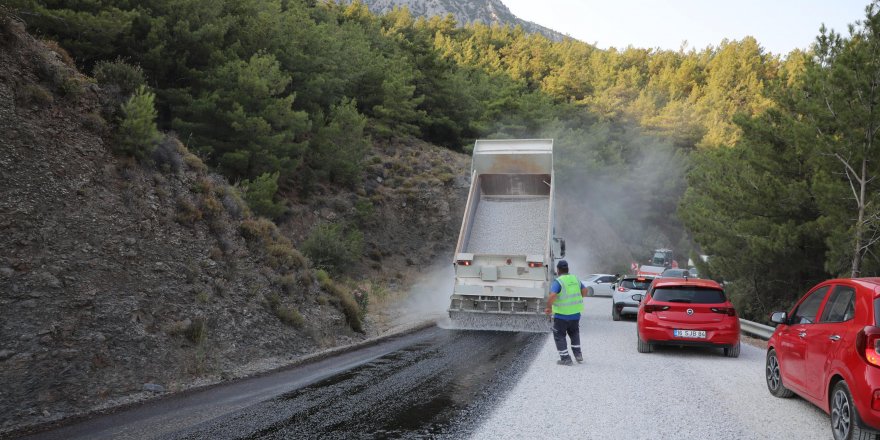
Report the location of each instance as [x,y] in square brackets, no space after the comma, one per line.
[259,194]
[137,134]
[338,147]
[841,99]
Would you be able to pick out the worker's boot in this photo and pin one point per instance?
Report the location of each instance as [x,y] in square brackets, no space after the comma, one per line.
[579,357]
[565,361]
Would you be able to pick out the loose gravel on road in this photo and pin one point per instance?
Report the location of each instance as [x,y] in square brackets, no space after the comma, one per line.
[672,393]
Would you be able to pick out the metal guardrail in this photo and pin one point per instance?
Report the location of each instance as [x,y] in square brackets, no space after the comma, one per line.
[756,330]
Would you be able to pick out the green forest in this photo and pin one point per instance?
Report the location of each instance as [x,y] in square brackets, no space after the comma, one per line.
[775,160]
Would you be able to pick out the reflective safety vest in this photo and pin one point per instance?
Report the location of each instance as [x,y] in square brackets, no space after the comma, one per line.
[569,300]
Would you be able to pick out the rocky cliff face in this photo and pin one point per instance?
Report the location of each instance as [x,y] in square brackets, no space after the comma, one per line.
[120,280]
[465,12]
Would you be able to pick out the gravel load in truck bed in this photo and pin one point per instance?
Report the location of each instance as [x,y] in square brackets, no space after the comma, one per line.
[505,225]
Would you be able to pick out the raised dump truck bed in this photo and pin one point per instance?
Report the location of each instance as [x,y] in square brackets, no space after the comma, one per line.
[510,225]
[506,249]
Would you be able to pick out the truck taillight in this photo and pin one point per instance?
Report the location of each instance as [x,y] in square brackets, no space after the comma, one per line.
[464,262]
[729,311]
[535,264]
[868,345]
[650,308]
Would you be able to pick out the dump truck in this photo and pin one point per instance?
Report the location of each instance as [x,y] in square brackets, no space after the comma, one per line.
[659,261]
[505,255]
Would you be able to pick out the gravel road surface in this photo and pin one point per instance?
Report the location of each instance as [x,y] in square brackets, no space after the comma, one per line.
[435,388]
[487,385]
[672,393]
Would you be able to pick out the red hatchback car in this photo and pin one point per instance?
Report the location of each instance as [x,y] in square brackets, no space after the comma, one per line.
[687,311]
[827,350]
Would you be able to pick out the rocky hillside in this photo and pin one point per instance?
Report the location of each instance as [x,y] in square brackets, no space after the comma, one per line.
[465,12]
[122,280]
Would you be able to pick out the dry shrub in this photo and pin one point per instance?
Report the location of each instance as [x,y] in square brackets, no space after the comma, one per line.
[284,256]
[233,202]
[290,316]
[93,122]
[71,88]
[346,301]
[187,212]
[9,26]
[34,94]
[195,163]
[306,278]
[287,283]
[166,155]
[211,206]
[258,229]
[203,185]
[203,296]
[286,314]
[62,53]
[197,331]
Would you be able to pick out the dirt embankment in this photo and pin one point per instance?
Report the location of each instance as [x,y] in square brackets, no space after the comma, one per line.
[120,281]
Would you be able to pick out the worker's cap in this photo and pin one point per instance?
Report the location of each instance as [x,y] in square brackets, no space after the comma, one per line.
[562,264]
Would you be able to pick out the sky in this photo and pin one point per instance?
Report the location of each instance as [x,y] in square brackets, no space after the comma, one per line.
[779,25]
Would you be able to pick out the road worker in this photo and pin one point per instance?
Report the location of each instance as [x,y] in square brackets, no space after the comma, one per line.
[566,303]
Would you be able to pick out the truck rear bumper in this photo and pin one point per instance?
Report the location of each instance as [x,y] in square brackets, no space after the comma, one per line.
[496,304]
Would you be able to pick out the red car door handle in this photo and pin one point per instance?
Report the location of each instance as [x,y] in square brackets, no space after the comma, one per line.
[802,334]
[834,337]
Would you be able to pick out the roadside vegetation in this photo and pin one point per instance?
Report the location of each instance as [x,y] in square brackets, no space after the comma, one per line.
[763,161]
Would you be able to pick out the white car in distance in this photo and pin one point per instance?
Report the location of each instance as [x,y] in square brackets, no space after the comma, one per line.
[623,302]
[599,284]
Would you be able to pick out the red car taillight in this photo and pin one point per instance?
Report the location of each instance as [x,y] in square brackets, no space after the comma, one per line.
[622,289]
[868,345]
[729,311]
[651,308]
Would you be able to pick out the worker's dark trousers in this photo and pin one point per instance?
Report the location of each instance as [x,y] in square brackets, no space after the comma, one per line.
[572,328]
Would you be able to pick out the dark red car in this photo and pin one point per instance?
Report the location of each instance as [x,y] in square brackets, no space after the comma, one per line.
[827,350]
[687,311]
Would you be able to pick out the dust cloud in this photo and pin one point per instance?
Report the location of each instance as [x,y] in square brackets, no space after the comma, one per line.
[428,298]
[616,198]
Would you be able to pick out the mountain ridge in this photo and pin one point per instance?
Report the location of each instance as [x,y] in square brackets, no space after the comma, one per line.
[464,12]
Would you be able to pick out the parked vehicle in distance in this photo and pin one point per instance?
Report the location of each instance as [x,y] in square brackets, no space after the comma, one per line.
[687,311]
[649,271]
[661,257]
[677,273]
[827,350]
[623,302]
[599,284]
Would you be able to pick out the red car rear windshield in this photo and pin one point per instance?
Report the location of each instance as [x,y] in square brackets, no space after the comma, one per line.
[689,294]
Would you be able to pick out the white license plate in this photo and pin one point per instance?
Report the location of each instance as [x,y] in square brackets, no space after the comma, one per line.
[689,334]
